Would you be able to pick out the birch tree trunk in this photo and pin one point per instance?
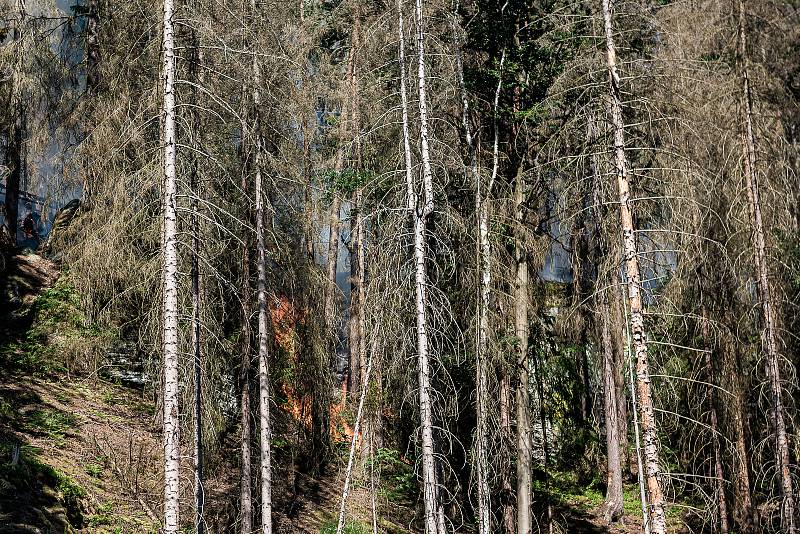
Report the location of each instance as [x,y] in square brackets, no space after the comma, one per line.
[246,495]
[427,174]
[637,328]
[768,335]
[419,217]
[263,341]
[484,284]
[353,442]
[170,281]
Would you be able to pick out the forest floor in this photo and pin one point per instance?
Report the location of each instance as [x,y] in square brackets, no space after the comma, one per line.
[81,454]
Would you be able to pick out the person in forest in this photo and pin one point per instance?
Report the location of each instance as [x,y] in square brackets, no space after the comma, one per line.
[31,224]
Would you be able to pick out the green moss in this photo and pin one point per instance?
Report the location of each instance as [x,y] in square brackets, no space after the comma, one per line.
[31,471]
[94,469]
[6,410]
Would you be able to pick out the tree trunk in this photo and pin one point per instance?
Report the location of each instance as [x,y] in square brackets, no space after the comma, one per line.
[524,445]
[637,328]
[353,442]
[263,346]
[15,152]
[170,281]
[333,255]
[719,475]
[539,380]
[485,283]
[246,499]
[484,291]
[639,461]
[611,360]
[744,511]
[419,217]
[427,174]
[194,196]
[614,490]
[93,57]
[368,440]
[619,379]
[506,489]
[354,341]
[336,202]
[768,335]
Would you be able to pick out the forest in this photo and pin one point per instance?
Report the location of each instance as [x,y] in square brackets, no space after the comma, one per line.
[350,267]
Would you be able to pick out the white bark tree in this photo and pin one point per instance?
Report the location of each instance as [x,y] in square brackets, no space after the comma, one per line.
[634,281]
[419,216]
[353,442]
[265,428]
[484,292]
[170,283]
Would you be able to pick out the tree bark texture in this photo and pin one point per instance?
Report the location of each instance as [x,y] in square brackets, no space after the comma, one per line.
[711,393]
[265,428]
[170,281]
[419,216]
[768,335]
[632,272]
[524,443]
[614,489]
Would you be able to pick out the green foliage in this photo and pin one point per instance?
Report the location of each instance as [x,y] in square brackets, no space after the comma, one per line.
[351,527]
[400,484]
[632,502]
[52,423]
[95,469]
[30,354]
[6,410]
[60,338]
[104,515]
[347,181]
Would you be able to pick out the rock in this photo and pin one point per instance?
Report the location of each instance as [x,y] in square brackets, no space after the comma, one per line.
[126,365]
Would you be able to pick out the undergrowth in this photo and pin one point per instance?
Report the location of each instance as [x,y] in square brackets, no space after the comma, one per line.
[351,527]
[30,471]
[61,338]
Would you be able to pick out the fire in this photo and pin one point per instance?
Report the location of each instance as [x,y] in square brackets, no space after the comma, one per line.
[285,317]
